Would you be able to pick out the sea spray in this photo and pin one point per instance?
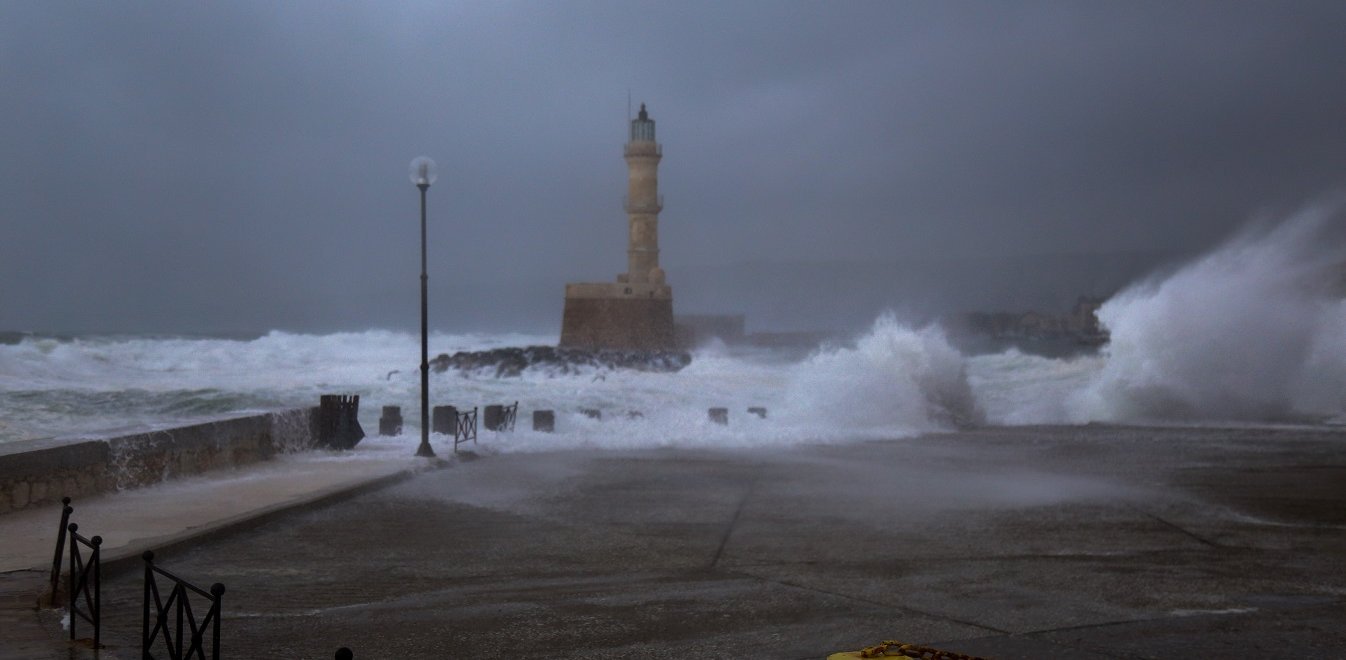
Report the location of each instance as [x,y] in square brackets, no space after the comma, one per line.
[895,380]
[1250,332]
[1015,388]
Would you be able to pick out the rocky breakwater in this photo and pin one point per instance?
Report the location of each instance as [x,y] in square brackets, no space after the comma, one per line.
[552,361]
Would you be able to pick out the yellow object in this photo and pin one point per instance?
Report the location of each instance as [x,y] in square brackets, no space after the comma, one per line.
[847,655]
[899,651]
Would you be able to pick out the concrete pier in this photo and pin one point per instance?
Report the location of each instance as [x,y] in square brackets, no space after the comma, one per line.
[1064,542]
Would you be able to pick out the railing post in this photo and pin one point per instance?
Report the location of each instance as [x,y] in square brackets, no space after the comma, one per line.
[70,583]
[145,610]
[180,596]
[216,590]
[97,592]
[66,510]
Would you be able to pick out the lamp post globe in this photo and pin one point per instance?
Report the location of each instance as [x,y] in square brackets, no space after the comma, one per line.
[422,175]
[423,171]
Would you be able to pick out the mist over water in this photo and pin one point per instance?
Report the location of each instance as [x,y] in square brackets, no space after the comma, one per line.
[1254,331]
[894,378]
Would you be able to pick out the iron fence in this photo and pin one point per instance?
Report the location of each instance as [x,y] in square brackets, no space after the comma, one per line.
[466,429]
[179,606]
[85,584]
[498,417]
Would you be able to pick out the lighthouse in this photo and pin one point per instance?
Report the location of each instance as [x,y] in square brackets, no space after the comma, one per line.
[636,311]
[643,202]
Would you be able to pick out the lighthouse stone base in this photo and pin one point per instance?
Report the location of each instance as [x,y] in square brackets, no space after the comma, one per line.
[618,316]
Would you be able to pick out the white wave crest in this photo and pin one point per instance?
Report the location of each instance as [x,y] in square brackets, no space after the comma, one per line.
[895,380]
[1254,331]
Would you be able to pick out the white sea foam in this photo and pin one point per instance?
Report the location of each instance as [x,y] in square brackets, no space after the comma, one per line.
[893,381]
[1254,331]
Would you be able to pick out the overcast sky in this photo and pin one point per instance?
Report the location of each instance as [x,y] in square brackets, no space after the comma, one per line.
[241,166]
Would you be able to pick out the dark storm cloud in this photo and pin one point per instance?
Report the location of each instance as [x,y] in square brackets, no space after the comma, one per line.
[240,166]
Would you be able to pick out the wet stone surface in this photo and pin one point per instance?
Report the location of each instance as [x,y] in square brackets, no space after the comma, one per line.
[1085,542]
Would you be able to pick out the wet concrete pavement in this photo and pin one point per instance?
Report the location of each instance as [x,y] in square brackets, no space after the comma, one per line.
[1063,542]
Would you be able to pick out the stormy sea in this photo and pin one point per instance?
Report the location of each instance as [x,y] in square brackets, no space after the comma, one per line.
[1253,332]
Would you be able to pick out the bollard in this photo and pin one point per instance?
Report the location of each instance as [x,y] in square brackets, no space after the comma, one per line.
[759,411]
[544,421]
[444,419]
[592,413]
[344,653]
[391,421]
[493,417]
[719,415]
[339,421]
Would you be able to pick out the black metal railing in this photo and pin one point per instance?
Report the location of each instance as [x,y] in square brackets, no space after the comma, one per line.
[180,608]
[66,510]
[500,417]
[85,584]
[466,428]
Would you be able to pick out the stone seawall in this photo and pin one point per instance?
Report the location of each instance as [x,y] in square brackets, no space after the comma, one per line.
[40,472]
[617,322]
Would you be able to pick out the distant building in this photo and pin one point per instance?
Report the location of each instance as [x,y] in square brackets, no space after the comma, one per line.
[635,312]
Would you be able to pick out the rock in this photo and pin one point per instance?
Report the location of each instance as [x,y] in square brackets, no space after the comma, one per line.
[552,361]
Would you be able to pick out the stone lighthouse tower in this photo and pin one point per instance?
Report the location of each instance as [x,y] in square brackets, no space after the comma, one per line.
[643,202]
[636,312]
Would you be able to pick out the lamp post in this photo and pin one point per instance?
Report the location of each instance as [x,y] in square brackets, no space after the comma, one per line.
[423,174]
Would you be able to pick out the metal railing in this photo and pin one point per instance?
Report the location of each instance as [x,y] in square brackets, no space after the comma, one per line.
[180,607]
[66,510]
[466,429]
[500,417]
[82,587]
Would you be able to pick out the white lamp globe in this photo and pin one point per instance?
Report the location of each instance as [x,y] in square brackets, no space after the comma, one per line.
[423,172]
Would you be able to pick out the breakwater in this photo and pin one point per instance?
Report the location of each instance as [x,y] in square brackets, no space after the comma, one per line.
[34,473]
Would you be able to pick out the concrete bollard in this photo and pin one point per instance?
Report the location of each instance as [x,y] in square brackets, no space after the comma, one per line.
[391,421]
[339,421]
[719,415]
[493,417]
[444,419]
[544,421]
[759,411]
[592,413]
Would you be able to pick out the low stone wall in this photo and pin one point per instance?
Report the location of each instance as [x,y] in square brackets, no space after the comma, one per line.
[41,472]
